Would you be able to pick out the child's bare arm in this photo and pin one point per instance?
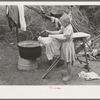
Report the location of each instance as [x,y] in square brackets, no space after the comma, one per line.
[58,36]
[55,32]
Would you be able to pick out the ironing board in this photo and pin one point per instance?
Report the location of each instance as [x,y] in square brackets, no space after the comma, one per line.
[78,35]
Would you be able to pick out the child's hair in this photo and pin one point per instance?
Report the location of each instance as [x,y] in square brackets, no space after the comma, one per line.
[66,19]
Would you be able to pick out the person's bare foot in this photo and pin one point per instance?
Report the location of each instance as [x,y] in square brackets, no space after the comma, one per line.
[66,78]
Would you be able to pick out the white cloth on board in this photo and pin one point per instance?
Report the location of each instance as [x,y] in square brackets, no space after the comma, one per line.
[52,46]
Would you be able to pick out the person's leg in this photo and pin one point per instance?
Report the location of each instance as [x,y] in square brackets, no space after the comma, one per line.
[68,67]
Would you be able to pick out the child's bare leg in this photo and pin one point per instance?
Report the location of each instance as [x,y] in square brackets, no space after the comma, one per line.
[69,68]
[68,77]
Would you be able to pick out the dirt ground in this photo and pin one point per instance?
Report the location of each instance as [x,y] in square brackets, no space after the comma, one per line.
[10,75]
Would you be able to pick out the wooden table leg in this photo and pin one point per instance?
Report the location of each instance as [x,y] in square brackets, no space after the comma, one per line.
[86,55]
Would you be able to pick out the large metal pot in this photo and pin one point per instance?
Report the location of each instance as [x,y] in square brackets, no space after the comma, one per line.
[29,49]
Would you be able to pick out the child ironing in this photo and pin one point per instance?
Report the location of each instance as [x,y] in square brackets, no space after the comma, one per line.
[66,39]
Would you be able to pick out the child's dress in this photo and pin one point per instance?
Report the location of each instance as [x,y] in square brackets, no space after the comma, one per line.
[67,49]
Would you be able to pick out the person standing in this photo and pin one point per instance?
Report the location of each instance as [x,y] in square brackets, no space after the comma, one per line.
[67,51]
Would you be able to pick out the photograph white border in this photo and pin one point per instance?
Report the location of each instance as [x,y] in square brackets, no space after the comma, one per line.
[49,91]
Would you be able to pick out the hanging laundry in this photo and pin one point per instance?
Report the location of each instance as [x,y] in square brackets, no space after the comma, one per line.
[55,21]
[15,16]
[21,17]
[12,16]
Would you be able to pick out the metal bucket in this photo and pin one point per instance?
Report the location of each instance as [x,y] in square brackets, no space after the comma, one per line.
[29,49]
[26,64]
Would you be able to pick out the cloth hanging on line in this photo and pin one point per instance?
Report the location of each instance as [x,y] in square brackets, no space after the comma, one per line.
[21,17]
[12,16]
[15,16]
[55,21]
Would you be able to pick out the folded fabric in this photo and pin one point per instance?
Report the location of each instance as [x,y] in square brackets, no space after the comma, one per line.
[88,75]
